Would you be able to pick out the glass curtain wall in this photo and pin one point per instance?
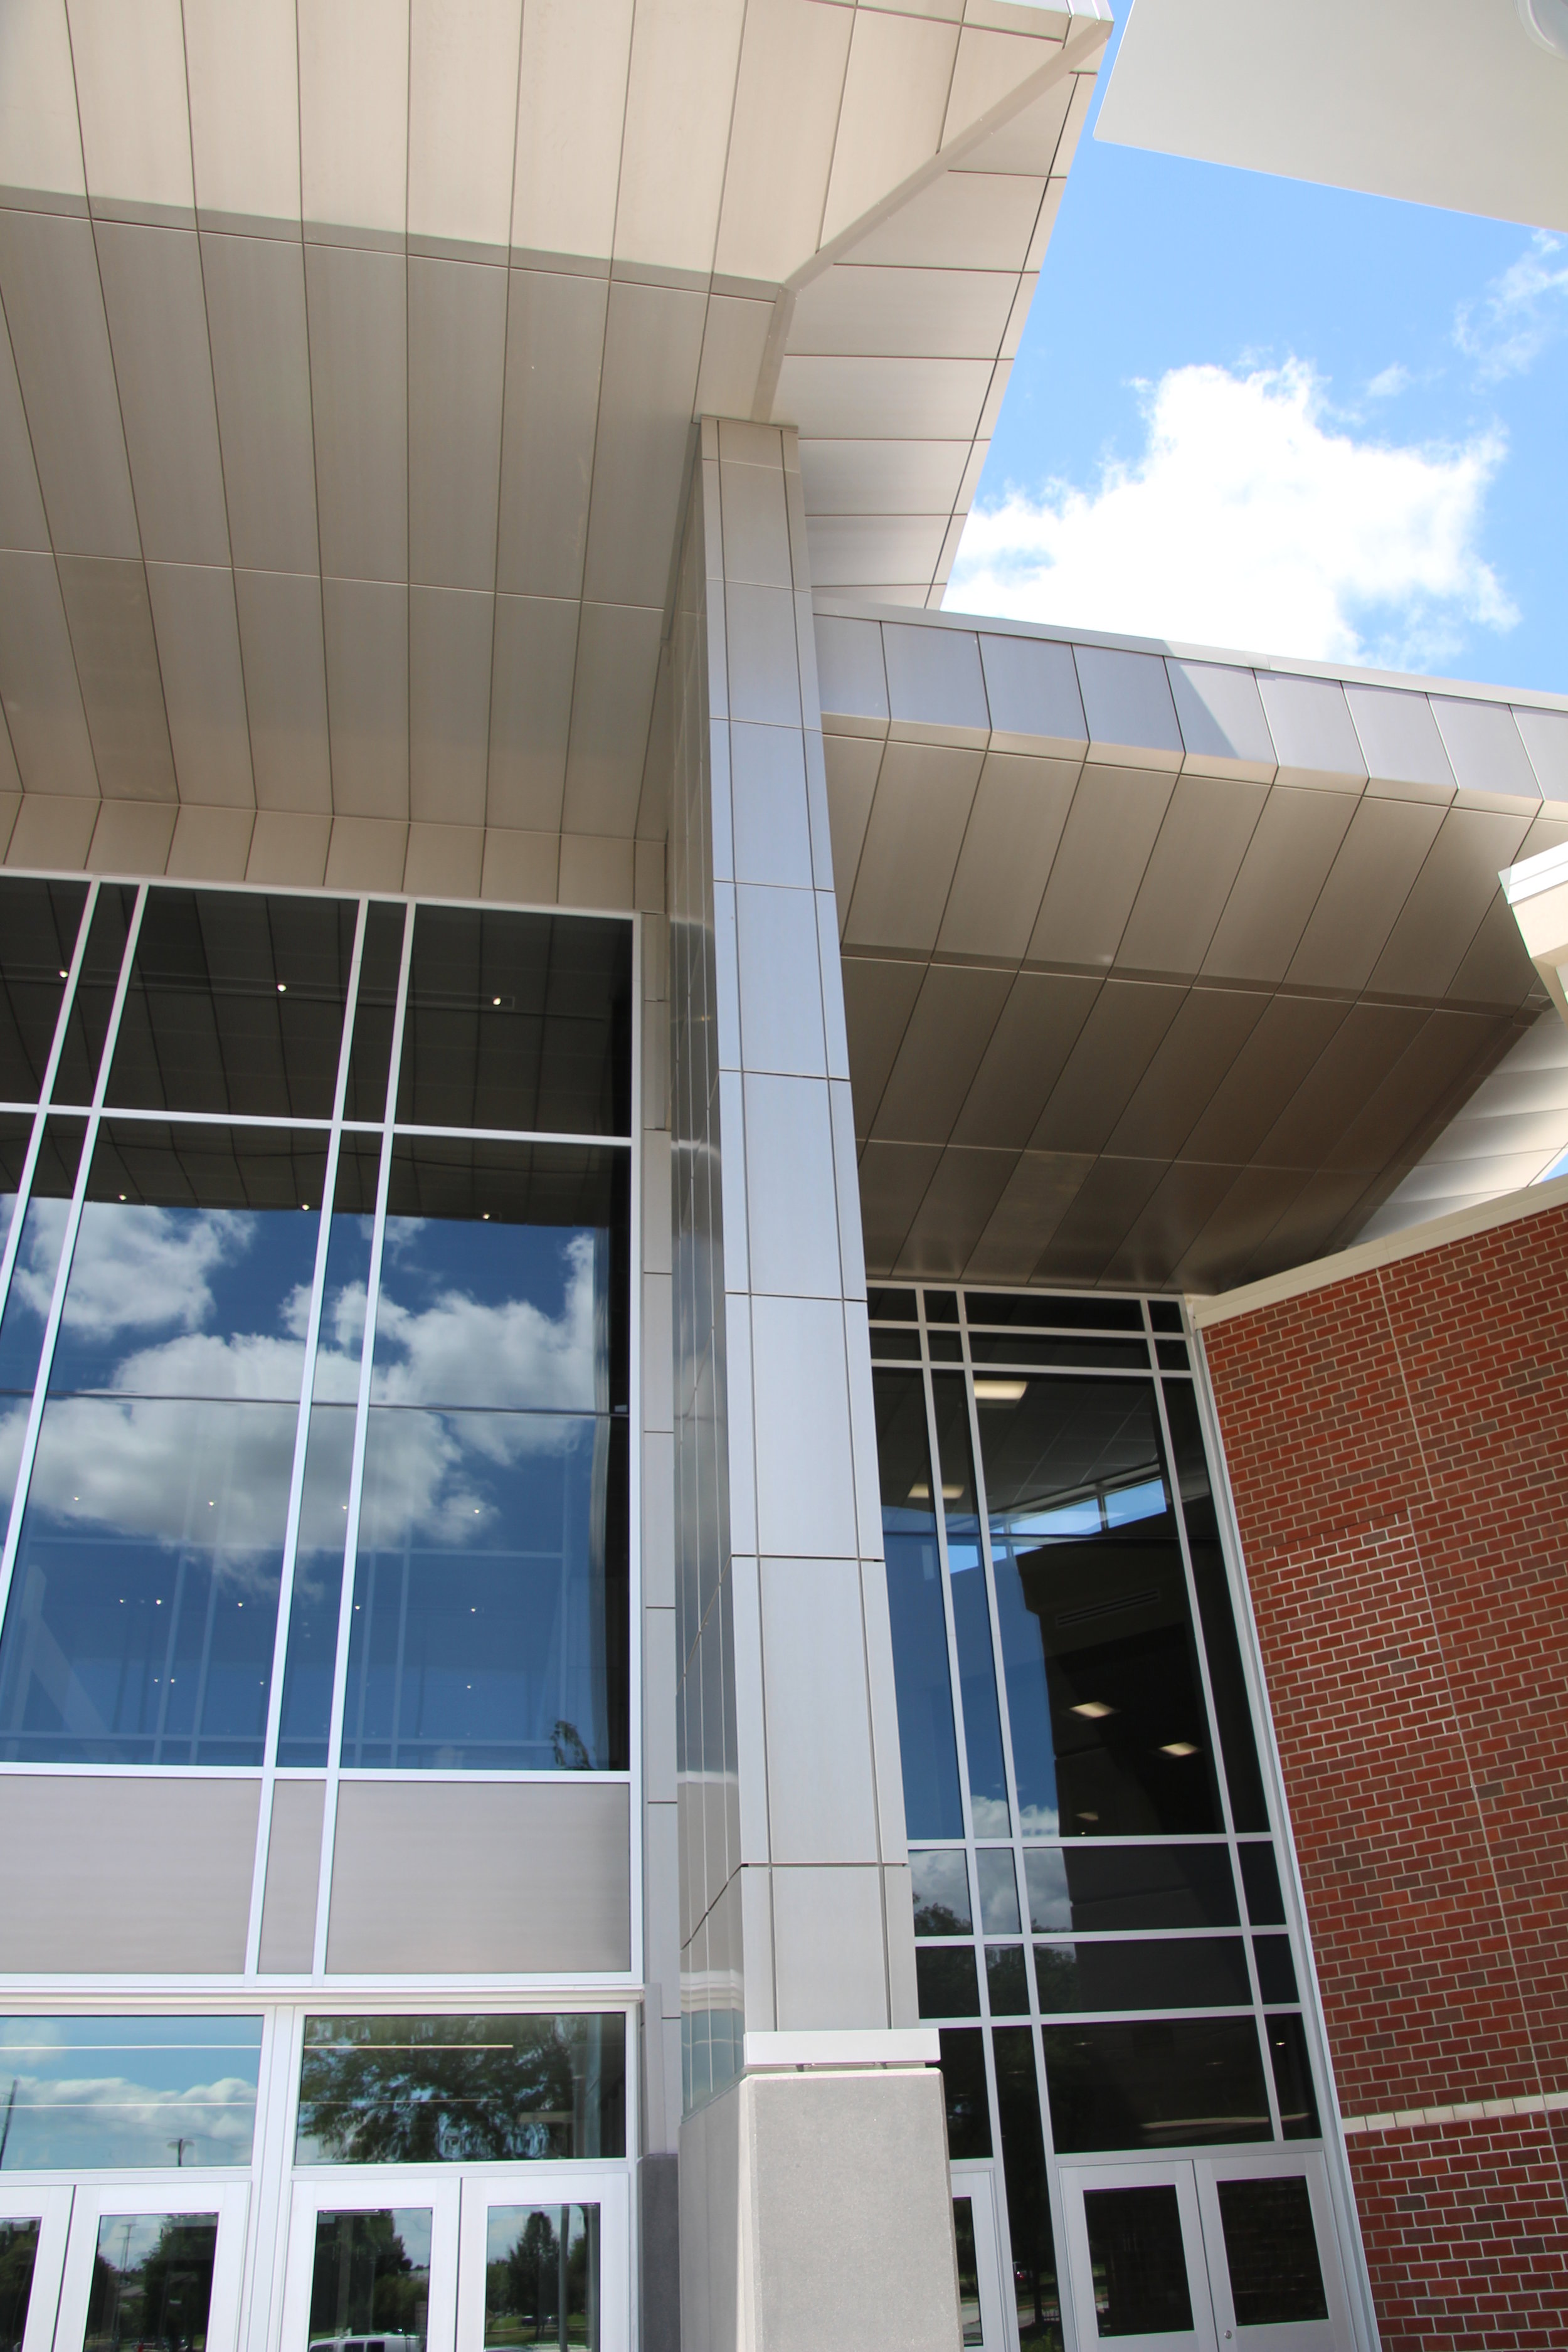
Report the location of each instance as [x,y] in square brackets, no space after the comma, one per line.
[1101,1927]
[315,1226]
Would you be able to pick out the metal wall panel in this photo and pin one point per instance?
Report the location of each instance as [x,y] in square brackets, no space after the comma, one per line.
[110,620]
[260,355]
[157,325]
[54,307]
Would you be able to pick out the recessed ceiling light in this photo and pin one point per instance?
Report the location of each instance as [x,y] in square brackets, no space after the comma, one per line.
[282,988]
[999,1392]
[921,1491]
[1178,1748]
[1094,1708]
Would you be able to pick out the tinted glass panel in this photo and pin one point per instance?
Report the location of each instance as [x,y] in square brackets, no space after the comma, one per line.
[1028,2203]
[152,2282]
[1271,2251]
[944,1347]
[1138,2261]
[1159,2083]
[941,1880]
[971,1612]
[897,1347]
[101,2093]
[38,924]
[375,1008]
[1260,1884]
[971,2327]
[1098,1889]
[18,2254]
[468,2090]
[307,1713]
[1173,1355]
[1276,1968]
[16,1133]
[1006,1980]
[1233,1710]
[942,1307]
[236,1004]
[518,1020]
[86,1024]
[1164,1314]
[892,1306]
[1092,1354]
[931,1803]
[37,1261]
[1205,1972]
[998,1891]
[371,2270]
[1110,1735]
[1040,1310]
[963,2085]
[542,2276]
[949,1986]
[1287,2038]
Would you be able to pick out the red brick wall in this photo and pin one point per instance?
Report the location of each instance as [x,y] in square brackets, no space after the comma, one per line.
[1398,1449]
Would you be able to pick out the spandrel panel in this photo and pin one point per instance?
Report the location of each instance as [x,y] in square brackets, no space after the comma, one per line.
[92,1002]
[1156,2083]
[109,2093]
[461,2090]
[1110,1734]
[932,1805]
[971,1610]
[38,924]
[236,1004]
[518,1022]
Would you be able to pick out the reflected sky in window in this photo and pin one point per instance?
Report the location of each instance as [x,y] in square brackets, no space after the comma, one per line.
[87,2092]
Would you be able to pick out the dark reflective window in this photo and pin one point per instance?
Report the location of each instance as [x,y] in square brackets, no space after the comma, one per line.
[1103,1889]
[375,1008]
[305,1721]
[38,923]
[1041,1311]
[897,1347]
[1157,2083]
[949,1986]
[92,1004]
[942,1306]
[1028,2202]
[970,2325]
[1171,1355]
[944,1347]
[1202,1972]
[518,1020]
[542,2276]
[892,1306]
[37,1265]
[96,2093]
[939,1877]
[1138,2261]
[964,2084]
[1276,1968]
[1109,1737]
[16,1134]
[933,1806]
[1164,1314]
[1007,1982]
[152,2282]
[236,1004]
[1260,1884]
[1271,2251]
[371,2271]
[18,2256]
[1091,1355]
[1233,1710]
[1286,2038]
[461,2090]
[971,1610]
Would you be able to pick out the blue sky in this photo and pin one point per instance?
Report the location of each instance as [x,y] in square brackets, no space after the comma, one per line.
[1255,413]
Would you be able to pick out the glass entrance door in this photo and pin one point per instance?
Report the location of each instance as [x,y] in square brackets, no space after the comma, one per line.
[34,2226]
[1192,2254]
[153,2264]
[980,2308]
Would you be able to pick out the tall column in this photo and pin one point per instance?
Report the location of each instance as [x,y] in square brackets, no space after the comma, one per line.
[813,2156]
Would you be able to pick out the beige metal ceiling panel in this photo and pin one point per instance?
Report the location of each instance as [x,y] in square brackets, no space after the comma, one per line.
[1399,739]
[290,849]
[921,313]
[1018,317]
[39,682]
[530,711]
[1240,1227]
[1496,969]
[1278,1057]
[1036,1030]
[1548,831]
[935,682]
[1323,1213]
[787,98]
[894,1178]
[754,520]
[965,220]
[357,308]
[1484,747]
[204,683]
[1448,1046]
[49,285]
[1102,1214]
[131,91]
[889,122]
[1544,734]
[23,523]
[948,1032]
[680,95]
[1309,721]
[992,63]
[924,795]
[1110,829]
[852,477]
[1036,1197]
[10,784]
[882,399]
[555,344]
[1045,222]
[1448,900]
[1202,1043]
[1027,141]
[242,72]
[1166,1229]
[457,358]
[734,343]
[260,360]
[367,853]
[844,547]
[163,365]
[653,342]
[1109,1056]
[366,630]
[444,861]
[851,762]
[353,115]
[1208,827]
[879,998]
[1288,861]
[1383,852]
[1031,686]
[53,833]
[111,624]
[40,128]
[612,701]
[1221,715]
[450,634]
[210,845]
[571,113]
[462,118]
[280,644]
[131,837]
[957,1207]
[1127,704]
[1354,1064]
[1015,827]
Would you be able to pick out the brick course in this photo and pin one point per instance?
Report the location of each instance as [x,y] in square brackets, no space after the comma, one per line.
[1397,1444]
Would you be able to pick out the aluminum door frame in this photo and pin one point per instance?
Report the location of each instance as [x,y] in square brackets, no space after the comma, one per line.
[998,2319]
[577,2182]
[137,2194]
[51,2208]
[1152,2172]
[1334,2334]
[374,2189]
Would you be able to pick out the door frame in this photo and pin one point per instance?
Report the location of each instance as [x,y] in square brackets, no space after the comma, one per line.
[137,2193]
[579,2181]
[51,2208]
[998,2319]
[374,2189]
[1136,2172]
[1279,2161]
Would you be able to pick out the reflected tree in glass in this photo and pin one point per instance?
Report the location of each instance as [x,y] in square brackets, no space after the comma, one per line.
[446,2090]
[372,2270]
[152,2282]
[542,2276]
[18,2253]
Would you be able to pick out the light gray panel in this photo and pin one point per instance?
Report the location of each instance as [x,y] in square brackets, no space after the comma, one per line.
[157,324]
[780,987]
[110,622]
[951,1026]
[261,367]
[457,359]
[1286,865]
[653,342]
[1447,901]
[1106,842]
[934,679]
[1221,715]
[945,313]
[1484,747]
[285,688]
[22,520]
[767,783]
[924,795]
[791,1207]
[366,626]
[1399,738]
[1202,842]
[133,1876]
[54,307]
[828,1953]
[1311,724]
[1127,700]
[821,1796]
[449,635]
[210,845]
[1020,808]
[53,831]
[203,684]
[1382,854]
[1032,687]
[131,837]
[754,522]
[1544,734]
[849,669]
[555,346]
[293,1871]
[612,701]
[806,1486]
[38,681]
[516,1879]
[357,309]
[762,653]
[965,220]
[889,477]
[530,710]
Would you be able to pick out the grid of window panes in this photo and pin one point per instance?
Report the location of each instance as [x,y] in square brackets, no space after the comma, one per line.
[1101,1933]
[315,1227]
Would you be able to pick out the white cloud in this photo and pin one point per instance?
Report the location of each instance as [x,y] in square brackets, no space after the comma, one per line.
[461,1350]
[1250,521]
[1519,313]
[1389,381]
